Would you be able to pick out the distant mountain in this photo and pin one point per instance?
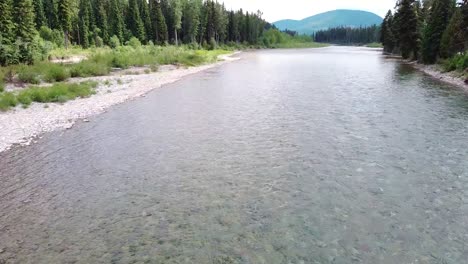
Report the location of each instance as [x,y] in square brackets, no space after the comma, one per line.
[336,18]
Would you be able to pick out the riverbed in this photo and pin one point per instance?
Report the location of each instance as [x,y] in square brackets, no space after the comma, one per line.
[331,155]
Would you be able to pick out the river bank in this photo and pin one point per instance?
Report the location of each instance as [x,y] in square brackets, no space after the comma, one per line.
[21,126]
[447,77]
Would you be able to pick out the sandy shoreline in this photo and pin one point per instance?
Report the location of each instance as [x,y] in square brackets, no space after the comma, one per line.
[21,126]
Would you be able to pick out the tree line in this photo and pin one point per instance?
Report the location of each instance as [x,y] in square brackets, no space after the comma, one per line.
[111,22]
[426,30]
[348,35]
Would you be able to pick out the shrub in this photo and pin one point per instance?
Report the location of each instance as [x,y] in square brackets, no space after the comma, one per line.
[114,42]
[58,93]
[29,77]
[7,100]
[56,73]
[134,43]
[89,68]
[458,62]
[2,86]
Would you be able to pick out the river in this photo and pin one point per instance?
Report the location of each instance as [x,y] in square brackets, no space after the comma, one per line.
[332,155]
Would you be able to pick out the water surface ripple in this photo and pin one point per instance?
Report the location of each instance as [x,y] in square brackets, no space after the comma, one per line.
[333,155]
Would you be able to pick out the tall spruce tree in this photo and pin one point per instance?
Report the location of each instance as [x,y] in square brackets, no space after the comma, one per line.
[143,6]
[7,25]
[176,12]
[134,22]
[24,20]
[437,23]
[84,15]
[101,20]
[453,39]
[158,23]
[408,29]
[51,13]
[65,19]
[41,19]
[116,20]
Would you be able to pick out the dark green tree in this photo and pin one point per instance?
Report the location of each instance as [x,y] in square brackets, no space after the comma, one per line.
[158,22]
[436,24]
[116,20]
[51,13]
[65,18]
[408,30]
[24,20]
[101,20]
[7,26]
[134,22]
[453,39]
[143,6]
[41,19]
[84,15]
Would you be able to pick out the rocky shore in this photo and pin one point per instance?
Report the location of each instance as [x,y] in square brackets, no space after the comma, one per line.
[21,126]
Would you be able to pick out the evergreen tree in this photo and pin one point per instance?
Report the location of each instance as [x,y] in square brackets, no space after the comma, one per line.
[24,20]
[41,19]
[51,14]
[453,39]
[387,37]
[134,22]
[84,23]
[7,26]
[65,19]
[408,30]
[116,20]
[176,8]
[436,25]
[101,21]
[158,22]
[143,6]
[191,20]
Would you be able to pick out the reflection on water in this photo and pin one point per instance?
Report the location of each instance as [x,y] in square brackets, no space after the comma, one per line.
[332,155]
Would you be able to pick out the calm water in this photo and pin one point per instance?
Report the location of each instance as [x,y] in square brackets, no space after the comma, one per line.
[332,155]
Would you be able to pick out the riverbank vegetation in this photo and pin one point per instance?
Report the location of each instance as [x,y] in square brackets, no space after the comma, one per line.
[349,35]
[429,32]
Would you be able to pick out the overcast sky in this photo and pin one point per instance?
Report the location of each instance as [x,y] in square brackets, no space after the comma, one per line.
[274,10]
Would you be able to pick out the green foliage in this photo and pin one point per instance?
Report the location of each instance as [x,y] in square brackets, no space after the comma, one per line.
[453,39]
[7,100]
[57,93]
[27,75]
[56,73]
[116,20]
[458,62]
[24,20]
[134,42]
[53,36]
[134,21]
[40,15]
[348,35]
[114,42]
[437,23]
[7,27]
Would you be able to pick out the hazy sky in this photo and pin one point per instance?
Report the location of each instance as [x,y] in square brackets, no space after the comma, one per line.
[274,10]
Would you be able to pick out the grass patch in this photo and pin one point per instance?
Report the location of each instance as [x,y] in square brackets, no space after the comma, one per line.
[7,100]
[298,45]
[57,93]
[374,45]
[56,73]
[458,62]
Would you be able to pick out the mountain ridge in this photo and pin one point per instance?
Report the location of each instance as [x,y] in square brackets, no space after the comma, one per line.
[329,19]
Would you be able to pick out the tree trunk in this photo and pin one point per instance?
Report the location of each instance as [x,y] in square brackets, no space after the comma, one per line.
[66,38]
[176,40]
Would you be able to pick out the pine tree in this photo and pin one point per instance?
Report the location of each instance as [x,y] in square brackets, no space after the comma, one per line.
[143,6]
[84,23]
[158,22]
[7,26]
[41,20]
[191,20]
[408,30]
[464,10]
[134,22]
[101,21]
[65,19]
[387,37]
[116,20]
[176,8]
[437,23]
[24,20]
[453,37]
[51,14]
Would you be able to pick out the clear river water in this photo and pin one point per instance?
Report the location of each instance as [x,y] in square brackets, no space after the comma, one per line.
[332,155]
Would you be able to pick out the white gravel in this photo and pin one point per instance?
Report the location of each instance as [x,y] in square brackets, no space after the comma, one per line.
[436,72]
[21,126]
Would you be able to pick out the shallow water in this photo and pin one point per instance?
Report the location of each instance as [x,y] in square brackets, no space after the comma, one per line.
[333,155]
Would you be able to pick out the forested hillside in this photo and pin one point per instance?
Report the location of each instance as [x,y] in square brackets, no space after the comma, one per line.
[28,27]
[349,35]
[428,31]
